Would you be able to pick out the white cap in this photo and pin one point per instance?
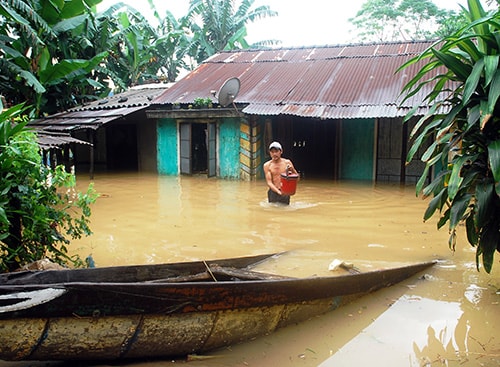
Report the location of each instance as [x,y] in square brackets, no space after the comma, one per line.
[275,145]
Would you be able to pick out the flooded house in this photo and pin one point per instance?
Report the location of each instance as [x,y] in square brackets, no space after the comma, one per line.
[109,134]
[335,109]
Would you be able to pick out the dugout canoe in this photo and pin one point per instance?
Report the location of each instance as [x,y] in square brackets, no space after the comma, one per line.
[167,310]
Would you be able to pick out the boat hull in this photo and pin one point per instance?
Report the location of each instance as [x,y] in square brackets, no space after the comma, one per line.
[138,336]
[108,320]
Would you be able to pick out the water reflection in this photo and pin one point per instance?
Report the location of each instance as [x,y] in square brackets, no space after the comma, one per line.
[418,329]
[448,315]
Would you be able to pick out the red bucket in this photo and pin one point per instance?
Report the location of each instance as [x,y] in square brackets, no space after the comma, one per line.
[289,183]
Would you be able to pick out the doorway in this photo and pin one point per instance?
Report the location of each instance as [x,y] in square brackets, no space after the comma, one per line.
[121,147]
[311,144]
[197,148]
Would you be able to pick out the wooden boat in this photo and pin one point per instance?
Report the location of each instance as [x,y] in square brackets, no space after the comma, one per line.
[167,310]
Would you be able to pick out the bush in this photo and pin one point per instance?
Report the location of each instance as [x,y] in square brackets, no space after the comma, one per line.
[40,209]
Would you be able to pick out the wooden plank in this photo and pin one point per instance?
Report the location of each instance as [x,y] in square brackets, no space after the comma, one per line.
[221,273]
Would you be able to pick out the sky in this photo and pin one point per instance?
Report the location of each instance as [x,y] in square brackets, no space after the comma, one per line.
[298,23]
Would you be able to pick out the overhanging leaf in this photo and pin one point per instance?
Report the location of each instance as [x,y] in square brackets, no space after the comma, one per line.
[490,67]
[3,216]
[494,92]
[7,10]
[484,204]
[442,221]
[459,68]
[455,178]
[69,24]
[436,203]
[458,208]
[61,69]
[469,47]
[473,116]
[477,12]
[488,244]
[485,115]
[472,81]
[429,152]
[494,161]
[472,235]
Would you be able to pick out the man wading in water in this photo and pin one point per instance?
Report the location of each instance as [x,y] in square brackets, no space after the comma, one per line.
[273,170]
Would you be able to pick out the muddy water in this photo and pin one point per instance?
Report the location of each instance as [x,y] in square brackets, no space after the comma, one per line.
[445,317]
[148,219]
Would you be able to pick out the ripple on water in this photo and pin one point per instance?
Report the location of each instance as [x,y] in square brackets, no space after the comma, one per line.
[296,205]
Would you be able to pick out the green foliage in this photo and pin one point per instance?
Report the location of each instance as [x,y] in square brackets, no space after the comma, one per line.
[172,46]
[40,210]
[461,75]
[47,54]
[394,20]
[141,52]
[130,41]
[222,25]
[55,55]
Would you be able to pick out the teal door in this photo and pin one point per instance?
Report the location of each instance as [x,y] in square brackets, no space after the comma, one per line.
[357,152]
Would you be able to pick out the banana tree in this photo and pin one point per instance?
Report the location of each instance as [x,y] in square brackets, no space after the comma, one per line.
[462,173]
[223,25]
[132,52]
[172,46]
[44,57]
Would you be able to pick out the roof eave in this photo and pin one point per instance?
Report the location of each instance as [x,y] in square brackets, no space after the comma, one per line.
[194,113]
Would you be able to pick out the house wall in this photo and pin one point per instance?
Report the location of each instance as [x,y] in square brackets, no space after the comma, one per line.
[229,148]
[357,151]
[251,148]
[363,149]
[167,149]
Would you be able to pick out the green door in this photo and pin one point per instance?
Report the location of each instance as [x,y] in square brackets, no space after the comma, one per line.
[357,149]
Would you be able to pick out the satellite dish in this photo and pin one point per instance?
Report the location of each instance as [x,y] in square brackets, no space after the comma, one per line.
[228,91]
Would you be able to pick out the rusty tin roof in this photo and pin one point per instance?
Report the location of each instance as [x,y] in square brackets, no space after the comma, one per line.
[50,139]
[54,130]
[97,113]
[330,82]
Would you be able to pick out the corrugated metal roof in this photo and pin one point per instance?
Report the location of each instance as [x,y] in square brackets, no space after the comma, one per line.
[95,114]
[48,140]
[330,82]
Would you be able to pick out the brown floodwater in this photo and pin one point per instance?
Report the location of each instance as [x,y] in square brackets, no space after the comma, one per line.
[444,317]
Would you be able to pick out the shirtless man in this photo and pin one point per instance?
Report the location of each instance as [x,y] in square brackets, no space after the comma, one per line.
[273,170]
